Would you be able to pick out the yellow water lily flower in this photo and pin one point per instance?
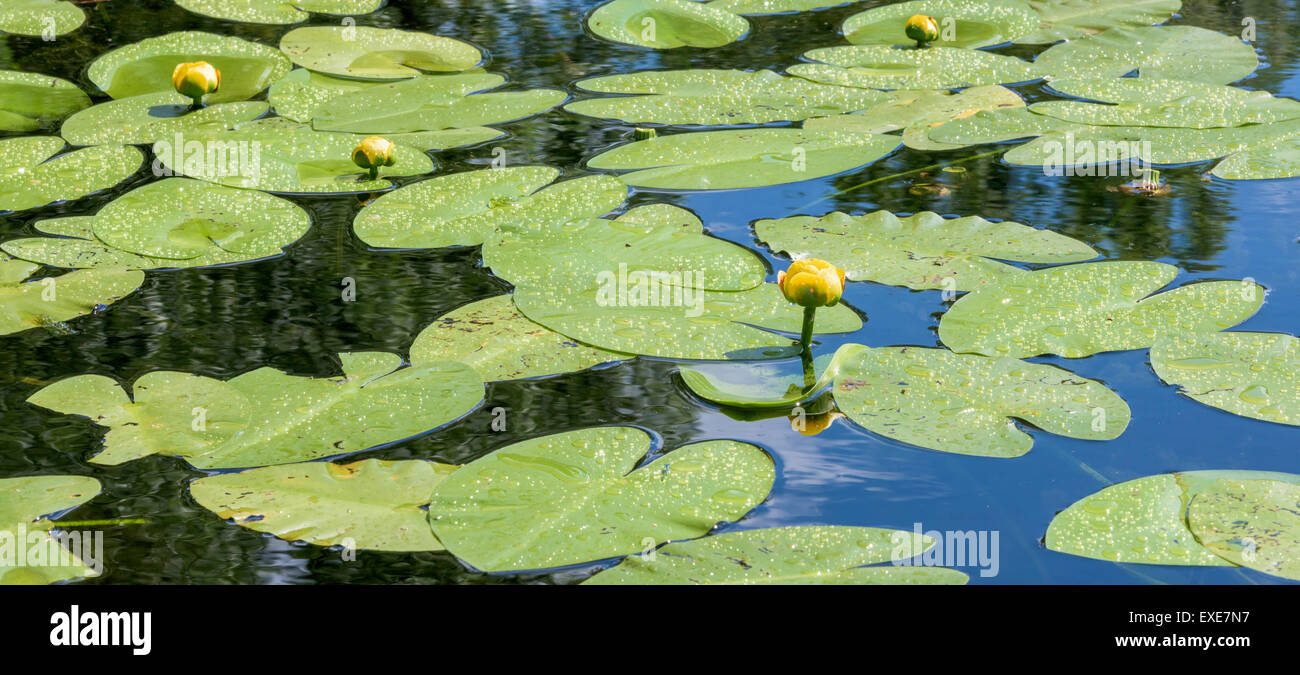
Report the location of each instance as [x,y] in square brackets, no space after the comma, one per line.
[196,79]
[811,283]
[372,153]
[921,28]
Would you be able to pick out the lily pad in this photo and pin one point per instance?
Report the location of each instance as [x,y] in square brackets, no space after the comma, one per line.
[1254,375]
[427,104]
[1073,19]
[654,246]
[372,504]
[153,117]
[146,67]
[1170,52]
[741,158]
[963,403]
[463,209]
[921,251]
[778,383]
[703,325]
[970,23]
[268,417]
[498,342]
[288,157]
[301,93]
[276,11]
[1080,310]
[716,97]
[1253,523]
[580,496]
[666,24]
[752,7]
[370,53]
[31,175]
[880,67]
[29,101]
[31,303]
[40,17]
[916,112]
[784,555]
[23,503]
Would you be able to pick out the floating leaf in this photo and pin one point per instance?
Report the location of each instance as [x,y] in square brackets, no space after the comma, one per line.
[463,209]
[690,324]
[49,301]
[372,504]
[154,117]
[1249,374]
[917,111]
[301,93]
[146,67]
[749,7]
[716,97]
[23,502]
[962,23]
[74,245]
[1080,310]
[580,496]
[962,403]
[427,104]
[1171,52]
[666,24]
[784,555]
[1253,523]
[29,101]
[40,17]
[879,67]
[647,248]
[267,417]
[30,178]
[741,158]
[1072,19]
[921,251]
[376,53]
[276,11]
[779,383]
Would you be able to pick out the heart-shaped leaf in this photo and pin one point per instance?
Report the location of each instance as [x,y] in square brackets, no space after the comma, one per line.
[427,103]
[1073,19]
[880,67]
[276,11]
[370,53]
[52,300]
[962,23]
[146,67]
[29,101]
[915,112]
[40,17]
[31,175]
[154,117]
[302,93]
[1250,374]
[666,24]
[23,502]
[1253,523]
[1171,52]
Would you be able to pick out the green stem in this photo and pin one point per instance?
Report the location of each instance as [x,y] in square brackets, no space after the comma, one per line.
[805,338]
[809,372]
[873,181]
[374,172]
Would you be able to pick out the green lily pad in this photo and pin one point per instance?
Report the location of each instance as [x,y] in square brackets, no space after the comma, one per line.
[29,101]
[970,23]
[1080,310]
[580,496]
[717,97]
[963,403]
[23,502]
[779,383]
[751,7]
[880,67]
[1170,52]
[666,24]
[1072,19]
[1253,523]
[276,12]
[154,117]
[30,178]
[916,112]
[705,325]
[268,417]
[464,209]
[302,93]
[784,555]
[426,104]
[921,251]
[74,246]
[32,303]
[1145,520]
[741,158]
[40,17]
[146,67]
[1249,374]
[498,342]
[372,504]
[288,157]
[647,249]
[371,53]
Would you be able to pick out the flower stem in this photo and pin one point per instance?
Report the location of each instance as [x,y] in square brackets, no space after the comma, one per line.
[805,338]
[374,172]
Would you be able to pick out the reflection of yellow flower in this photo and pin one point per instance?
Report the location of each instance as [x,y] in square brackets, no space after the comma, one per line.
[812,283]
[372,153]
[196,79]
[811,425]
[921,28]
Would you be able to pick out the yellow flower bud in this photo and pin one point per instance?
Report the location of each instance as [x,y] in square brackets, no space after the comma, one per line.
[811,283]
[372,153]
[921,28]
[196,79]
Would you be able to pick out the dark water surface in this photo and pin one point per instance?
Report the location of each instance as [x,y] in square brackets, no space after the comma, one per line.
[287,313]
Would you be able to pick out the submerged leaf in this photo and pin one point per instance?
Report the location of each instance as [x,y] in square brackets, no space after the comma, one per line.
[1254,375]
[376,53]
[29,101]
[52,300]
[1253,523]
[963,23]
[31,175]
[666,24]
[146,67]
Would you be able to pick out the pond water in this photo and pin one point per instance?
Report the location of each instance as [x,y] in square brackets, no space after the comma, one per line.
[287,313]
